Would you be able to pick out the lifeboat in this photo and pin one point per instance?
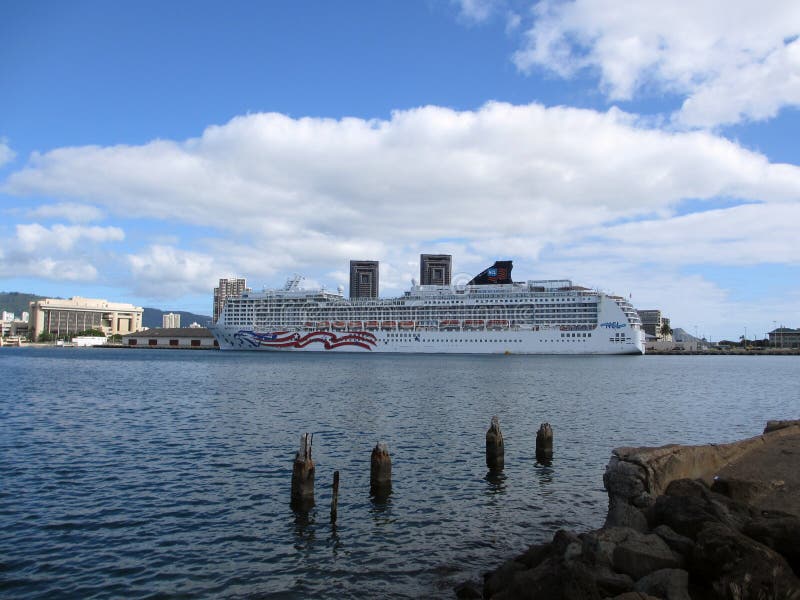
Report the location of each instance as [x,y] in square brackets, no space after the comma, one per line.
[323,324]
[473,324]
[370,325]
[497,324]
[388,324]
[449,324]
[338,325]
[354,325]
[406,325]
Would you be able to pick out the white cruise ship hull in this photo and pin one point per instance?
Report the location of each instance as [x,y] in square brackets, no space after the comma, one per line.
[601,340]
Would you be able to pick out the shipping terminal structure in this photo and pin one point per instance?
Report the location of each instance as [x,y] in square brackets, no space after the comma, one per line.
[489,315]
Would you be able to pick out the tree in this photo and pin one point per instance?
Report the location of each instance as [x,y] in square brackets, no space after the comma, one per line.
[665,330]
[46,337]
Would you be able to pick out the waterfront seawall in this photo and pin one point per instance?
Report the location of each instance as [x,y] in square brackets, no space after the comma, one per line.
[706,521]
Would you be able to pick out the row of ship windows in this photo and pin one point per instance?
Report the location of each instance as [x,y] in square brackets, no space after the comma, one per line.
[576,335]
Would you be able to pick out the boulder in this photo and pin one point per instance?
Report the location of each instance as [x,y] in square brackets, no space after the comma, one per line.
[501,578]
[677,543]
[468,589]
[639,555]
[780,532]
[669,584]
[739,568]
[687,505]
[635,596]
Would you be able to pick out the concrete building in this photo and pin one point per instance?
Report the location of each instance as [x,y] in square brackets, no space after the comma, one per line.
[171,321]
[226,289]
[66,317]
[784,337]
[652,322]
[364,279]
[435,269]
[185,337]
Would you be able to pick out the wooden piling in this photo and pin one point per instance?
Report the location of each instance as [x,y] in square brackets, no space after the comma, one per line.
[303,472]
[380,471]
[544,443]
[495,450]
[335,498]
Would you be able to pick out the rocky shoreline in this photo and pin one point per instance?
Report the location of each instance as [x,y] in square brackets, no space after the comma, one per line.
[719,521]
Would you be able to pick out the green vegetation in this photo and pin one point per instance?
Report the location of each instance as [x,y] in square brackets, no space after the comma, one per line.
[17,302]
[665,330]
[89,333]
[46,337]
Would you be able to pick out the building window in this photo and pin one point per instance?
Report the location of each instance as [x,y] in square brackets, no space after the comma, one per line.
[152,342]
[173,342]
[195,343]
[131,342]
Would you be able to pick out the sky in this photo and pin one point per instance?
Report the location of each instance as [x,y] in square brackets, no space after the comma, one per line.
[647,149]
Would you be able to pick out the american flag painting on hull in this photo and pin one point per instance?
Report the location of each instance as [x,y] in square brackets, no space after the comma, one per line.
[289,339]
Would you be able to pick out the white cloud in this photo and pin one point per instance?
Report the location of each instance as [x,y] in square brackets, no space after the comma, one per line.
[731,59]
[35,238]
[6,153]
[476,11]
[70,211]
[167,272]
[59,253]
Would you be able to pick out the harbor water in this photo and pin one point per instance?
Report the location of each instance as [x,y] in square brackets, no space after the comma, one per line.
[166,473]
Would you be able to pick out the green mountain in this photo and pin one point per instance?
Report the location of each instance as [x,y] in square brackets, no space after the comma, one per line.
[17,302]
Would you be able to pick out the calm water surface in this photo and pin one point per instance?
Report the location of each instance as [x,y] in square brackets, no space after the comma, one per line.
[138,473]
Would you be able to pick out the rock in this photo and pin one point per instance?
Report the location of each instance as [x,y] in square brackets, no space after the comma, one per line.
[534,555]
[676,542]
[610,583]
[669,584]
[687,505]
[775,425]
[739,568]
[779,532]
[467,589]
[739,489]
[552,579]
[501,578]
[635,596]
[598,546]
[641,554]
[624,514]
[624,479]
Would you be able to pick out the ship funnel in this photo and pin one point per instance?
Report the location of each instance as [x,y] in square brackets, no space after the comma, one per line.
[499,272]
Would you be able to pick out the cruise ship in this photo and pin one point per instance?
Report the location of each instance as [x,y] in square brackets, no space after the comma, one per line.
[489,315]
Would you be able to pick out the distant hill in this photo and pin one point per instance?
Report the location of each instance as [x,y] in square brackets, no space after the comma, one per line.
[152,317]
[17,302]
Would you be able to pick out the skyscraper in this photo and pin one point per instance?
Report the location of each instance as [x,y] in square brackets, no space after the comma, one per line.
[363,278]
[435,269]
[171,321]
[226,289]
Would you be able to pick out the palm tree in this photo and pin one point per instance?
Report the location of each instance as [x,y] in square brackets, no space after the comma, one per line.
[665,330]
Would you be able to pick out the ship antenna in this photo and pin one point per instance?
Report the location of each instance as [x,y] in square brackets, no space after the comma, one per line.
[293,283]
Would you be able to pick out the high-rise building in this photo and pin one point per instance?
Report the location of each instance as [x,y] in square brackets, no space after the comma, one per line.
[653,323]
[171,321]
[435,269]
[227,288]
[364,279]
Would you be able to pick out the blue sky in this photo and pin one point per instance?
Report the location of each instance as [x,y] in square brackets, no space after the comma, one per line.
[148,149]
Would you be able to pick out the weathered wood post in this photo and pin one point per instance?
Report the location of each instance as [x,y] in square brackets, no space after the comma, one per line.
[303,473]
[544,443]
[335,499]
[495,450]
[380,471]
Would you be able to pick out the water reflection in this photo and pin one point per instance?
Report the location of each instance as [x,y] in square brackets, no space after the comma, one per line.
[496,482]
[304,521]
[545,475]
